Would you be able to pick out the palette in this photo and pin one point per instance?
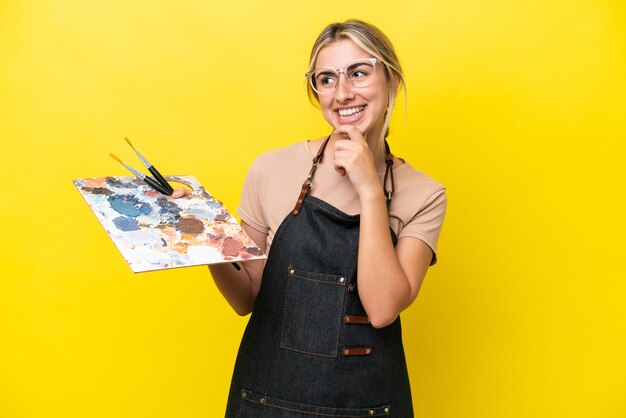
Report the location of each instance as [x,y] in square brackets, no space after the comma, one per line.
[156,232]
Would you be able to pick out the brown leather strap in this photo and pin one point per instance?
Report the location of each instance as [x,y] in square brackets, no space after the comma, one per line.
[388,174]
[308,183]
[356,351]
[356,319]
[303,192]
[320,153]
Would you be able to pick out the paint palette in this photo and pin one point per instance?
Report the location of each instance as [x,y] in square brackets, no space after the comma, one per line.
[156,232]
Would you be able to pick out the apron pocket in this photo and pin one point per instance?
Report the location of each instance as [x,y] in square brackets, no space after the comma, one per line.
[313,312]
[254,405]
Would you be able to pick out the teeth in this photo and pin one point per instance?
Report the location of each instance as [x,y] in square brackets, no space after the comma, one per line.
[351,111]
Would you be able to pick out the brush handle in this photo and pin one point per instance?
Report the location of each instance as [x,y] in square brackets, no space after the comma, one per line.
[160,179]
[156,186]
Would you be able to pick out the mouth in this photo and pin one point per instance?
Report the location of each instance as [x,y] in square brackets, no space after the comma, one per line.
[350,114]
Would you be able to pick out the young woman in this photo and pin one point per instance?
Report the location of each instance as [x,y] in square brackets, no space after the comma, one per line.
[351,231]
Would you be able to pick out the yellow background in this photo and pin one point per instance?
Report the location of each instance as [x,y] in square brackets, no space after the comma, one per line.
[516,106]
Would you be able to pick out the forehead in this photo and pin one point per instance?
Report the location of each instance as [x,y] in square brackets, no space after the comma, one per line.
[339,54]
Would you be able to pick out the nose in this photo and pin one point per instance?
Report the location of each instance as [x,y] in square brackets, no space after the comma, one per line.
[344,89]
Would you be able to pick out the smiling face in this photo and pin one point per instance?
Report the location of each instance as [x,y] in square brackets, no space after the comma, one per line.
[363,107]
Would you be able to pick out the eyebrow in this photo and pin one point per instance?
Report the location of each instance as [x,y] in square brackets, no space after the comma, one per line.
[325,70]
[358,60]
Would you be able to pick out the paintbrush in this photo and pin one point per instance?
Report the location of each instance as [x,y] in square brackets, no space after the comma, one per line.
[151,168]
[148,180]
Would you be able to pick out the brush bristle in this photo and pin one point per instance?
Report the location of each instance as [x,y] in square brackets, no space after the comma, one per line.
[115,158]
[129,143]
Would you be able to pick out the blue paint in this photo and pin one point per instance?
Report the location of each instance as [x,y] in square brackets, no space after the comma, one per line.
[168,207]
[129,205]
[126,224]
[212,203]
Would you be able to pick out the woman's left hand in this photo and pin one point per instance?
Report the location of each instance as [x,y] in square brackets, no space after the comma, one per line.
[354,158]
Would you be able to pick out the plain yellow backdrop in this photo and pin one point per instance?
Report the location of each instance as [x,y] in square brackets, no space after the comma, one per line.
[516,106]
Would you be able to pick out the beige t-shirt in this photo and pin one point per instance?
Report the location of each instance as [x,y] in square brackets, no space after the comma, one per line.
[275,179]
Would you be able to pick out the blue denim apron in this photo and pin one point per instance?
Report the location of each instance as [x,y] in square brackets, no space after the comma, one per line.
[308,349]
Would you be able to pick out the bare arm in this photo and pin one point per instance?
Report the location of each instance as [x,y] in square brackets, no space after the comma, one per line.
[239,287]
[390,281]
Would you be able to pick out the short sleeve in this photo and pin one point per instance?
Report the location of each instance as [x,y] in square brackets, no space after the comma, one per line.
[427,222]
[250,209]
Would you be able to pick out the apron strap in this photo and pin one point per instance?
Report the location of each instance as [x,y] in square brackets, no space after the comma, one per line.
[308,183]
[388,174]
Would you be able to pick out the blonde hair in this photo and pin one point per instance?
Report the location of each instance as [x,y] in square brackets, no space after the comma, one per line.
[373,41]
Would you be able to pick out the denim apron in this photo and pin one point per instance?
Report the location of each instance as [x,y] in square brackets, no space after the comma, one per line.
[308,349]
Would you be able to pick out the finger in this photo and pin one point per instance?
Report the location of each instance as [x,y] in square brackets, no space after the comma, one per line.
[180,192]
[344,160]
[338,164]
[351,132]
[340,135]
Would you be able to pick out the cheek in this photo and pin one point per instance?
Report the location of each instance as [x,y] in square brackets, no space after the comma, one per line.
[326,104]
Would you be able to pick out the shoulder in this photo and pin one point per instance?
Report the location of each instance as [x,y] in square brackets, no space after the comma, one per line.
[297,152]
[279,169]
[416,187]
[418,206]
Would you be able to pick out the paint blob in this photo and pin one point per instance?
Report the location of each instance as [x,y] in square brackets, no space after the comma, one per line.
[126,224]
[190,226]
[129,205]
[98,190]
[231,247]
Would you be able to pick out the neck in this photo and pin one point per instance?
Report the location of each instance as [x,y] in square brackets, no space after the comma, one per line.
[376,142]
[377,146]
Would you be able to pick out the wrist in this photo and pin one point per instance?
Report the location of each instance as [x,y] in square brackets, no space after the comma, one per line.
[372,195]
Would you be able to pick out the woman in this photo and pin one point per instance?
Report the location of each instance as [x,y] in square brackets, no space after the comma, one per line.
[348,249]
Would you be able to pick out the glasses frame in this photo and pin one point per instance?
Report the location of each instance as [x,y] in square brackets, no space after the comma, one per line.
[309,74]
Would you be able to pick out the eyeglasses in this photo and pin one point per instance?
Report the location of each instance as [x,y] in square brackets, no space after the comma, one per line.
[359,73]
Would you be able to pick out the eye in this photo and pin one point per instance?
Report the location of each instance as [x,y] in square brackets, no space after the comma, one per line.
[325,79]
[360,70]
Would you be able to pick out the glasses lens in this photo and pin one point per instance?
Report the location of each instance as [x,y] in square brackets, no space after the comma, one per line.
[324,80]
[360,73]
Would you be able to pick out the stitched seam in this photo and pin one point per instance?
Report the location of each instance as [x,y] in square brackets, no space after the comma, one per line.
[307,352]
[279,232]
[269,405]
[315,276]
[336,215]
[282,327]
[318,281]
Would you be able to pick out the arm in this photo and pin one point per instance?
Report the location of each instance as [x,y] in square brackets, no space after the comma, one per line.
[390,281]
[239,287]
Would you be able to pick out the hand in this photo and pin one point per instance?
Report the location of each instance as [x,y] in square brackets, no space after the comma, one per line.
[181,192]
[354,158]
